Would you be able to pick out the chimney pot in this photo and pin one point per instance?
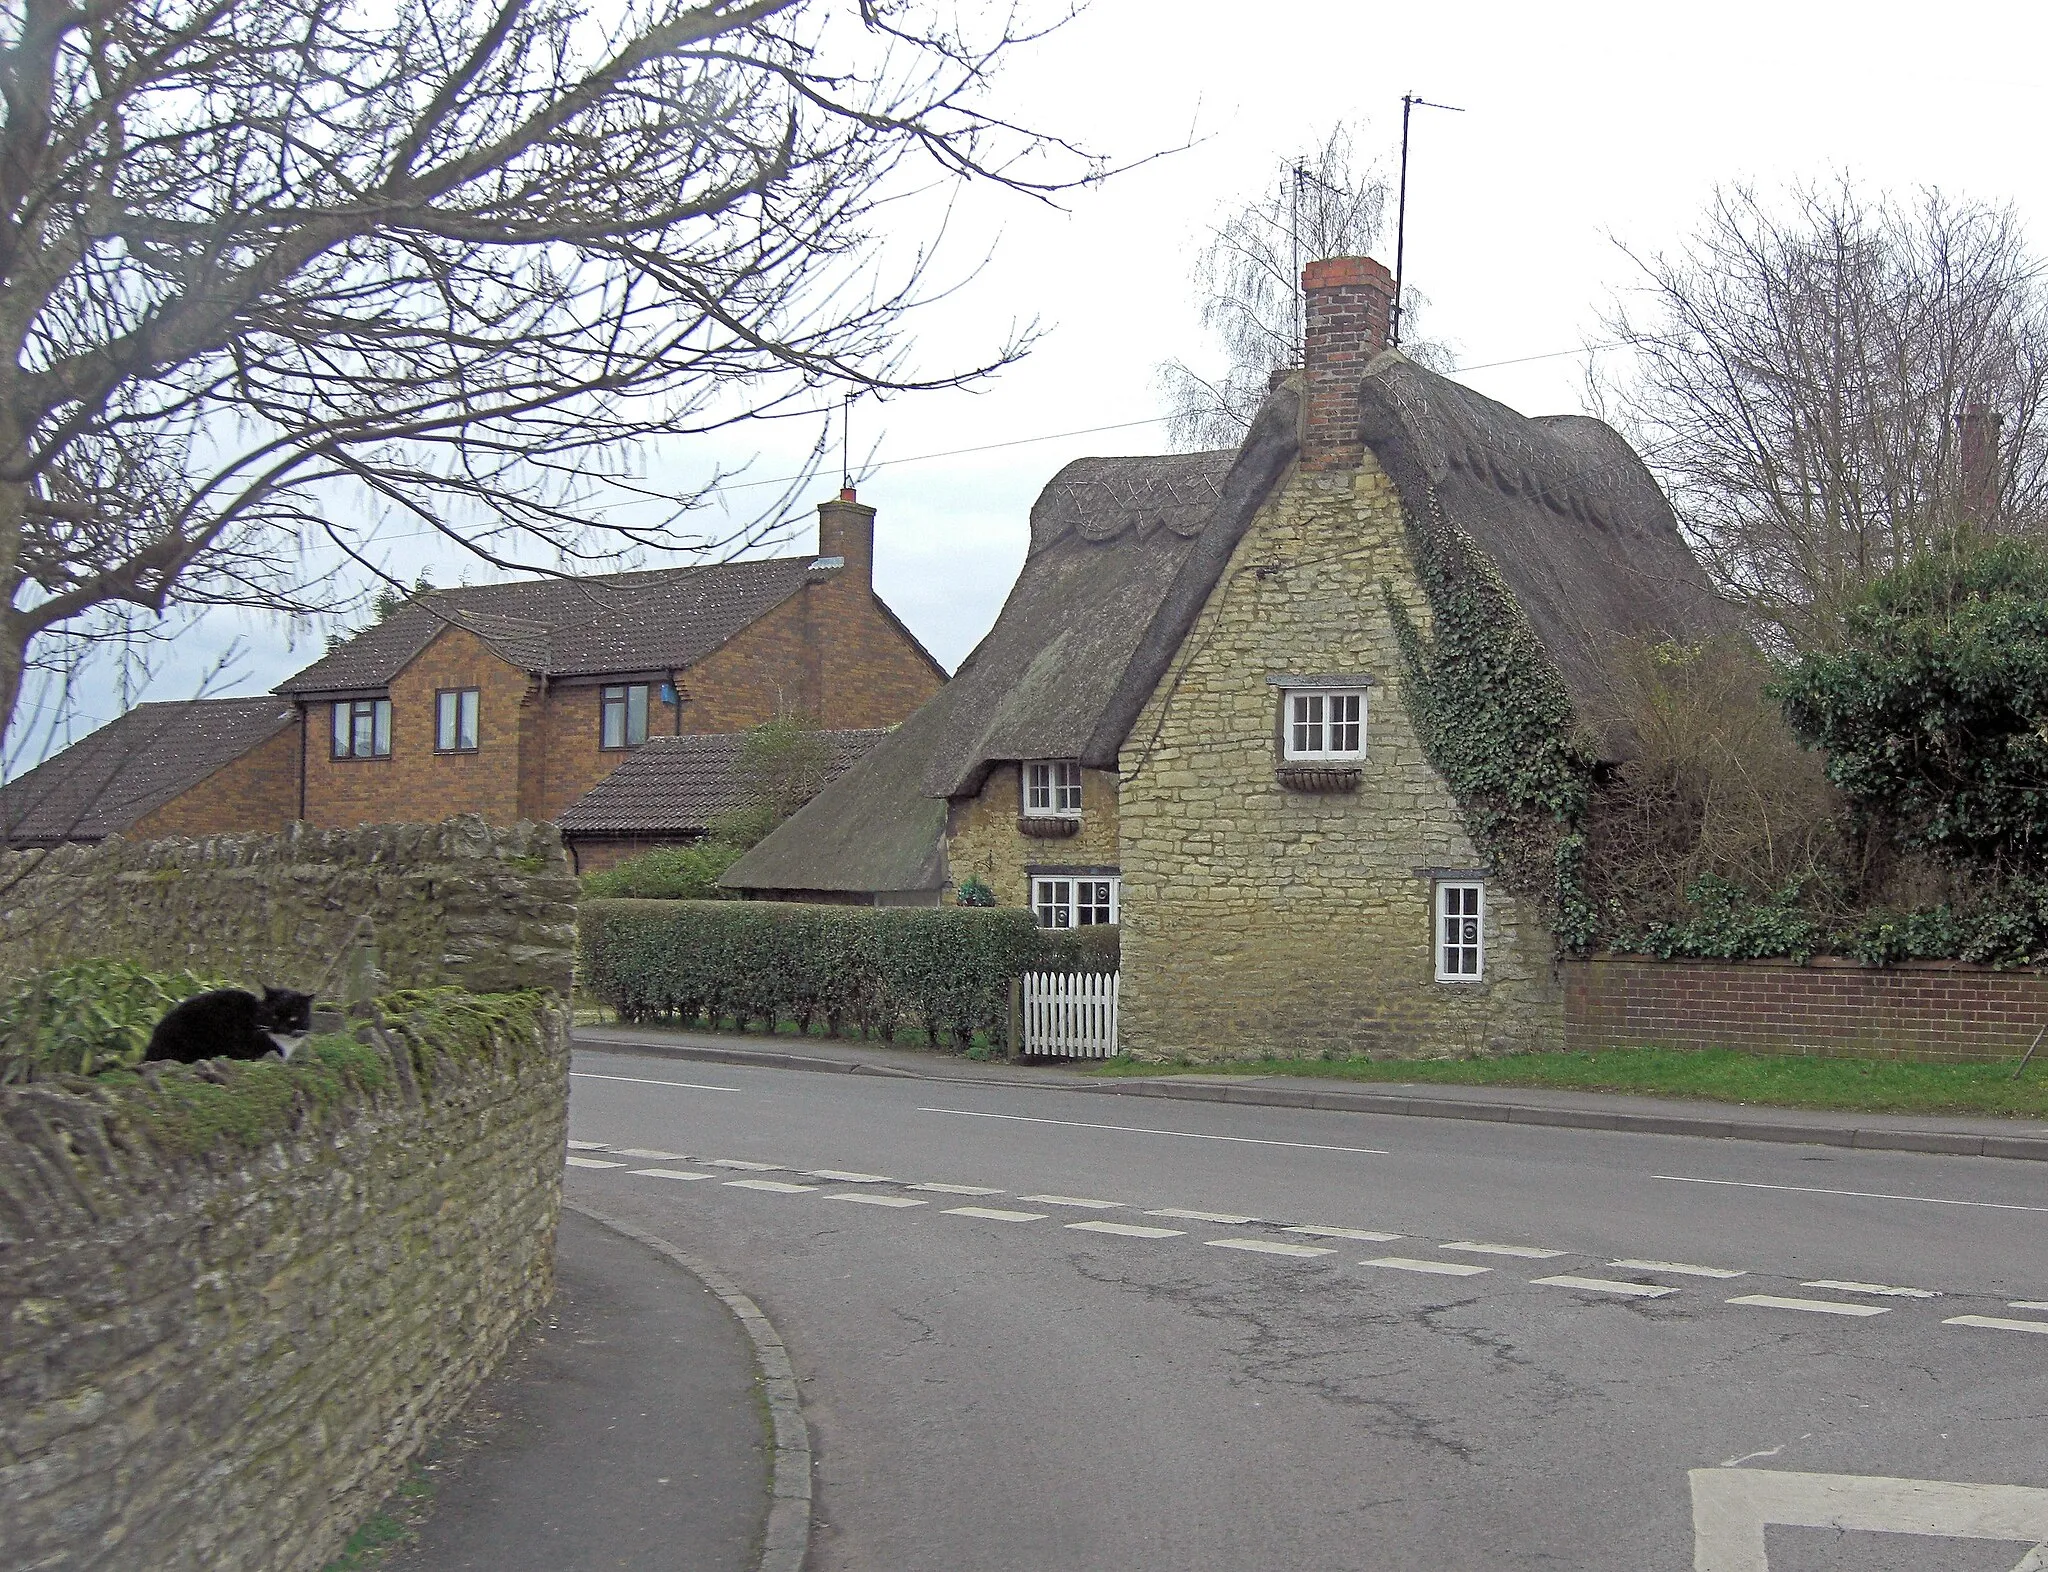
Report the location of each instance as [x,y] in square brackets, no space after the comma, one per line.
[1348,307]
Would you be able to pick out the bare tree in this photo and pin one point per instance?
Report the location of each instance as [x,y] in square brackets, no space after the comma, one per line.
[1796,376]
[269,267]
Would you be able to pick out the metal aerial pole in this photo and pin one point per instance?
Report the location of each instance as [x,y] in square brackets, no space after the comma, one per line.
[1409,103]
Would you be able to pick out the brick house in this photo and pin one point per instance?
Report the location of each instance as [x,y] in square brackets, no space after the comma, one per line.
[1188,717]
[513,700]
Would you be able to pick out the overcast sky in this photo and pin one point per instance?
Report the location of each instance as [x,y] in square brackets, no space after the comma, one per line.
[1583,125]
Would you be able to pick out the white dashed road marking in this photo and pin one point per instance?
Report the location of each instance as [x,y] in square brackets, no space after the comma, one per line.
[1402,1263]
[1129,1230]
[752,1168]
[1318,1231]
[1268,1247]
[1601,1285]
[1997,1323]
[1138,1129]
[1200,1217]
[772,1186]
[648,1154]
[1522,1252]
[1861,1195]
[592,1162]
[1073,1200]
[878,1200]
[586,1146]
[1681,1268]
[956,1189]
[1884,1289]
[641,1080]
[1815,1306]
[995,1214]
[840,1176]
[670,1173]
[2027,1304]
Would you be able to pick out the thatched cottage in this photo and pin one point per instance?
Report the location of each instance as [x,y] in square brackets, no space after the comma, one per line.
[1200,713]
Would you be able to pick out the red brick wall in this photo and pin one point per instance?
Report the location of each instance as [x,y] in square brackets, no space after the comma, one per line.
[570,760]
[416,784]
[1930,1010]
[1348,305]
[257,793]
[589,855]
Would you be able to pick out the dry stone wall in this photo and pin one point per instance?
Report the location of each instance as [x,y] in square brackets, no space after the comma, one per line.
[1260,919]
[460,903]
[219,1355]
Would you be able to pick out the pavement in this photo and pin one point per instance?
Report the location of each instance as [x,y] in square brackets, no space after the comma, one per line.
[626,1434]
[1037,1329]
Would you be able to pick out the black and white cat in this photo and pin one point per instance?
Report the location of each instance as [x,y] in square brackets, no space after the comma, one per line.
[231,1024]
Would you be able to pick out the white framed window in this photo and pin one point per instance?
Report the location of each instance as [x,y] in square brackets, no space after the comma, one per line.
[362,729]
[1052,789]
[455,714]
[622,711]
[1323,723]
[1075,900]
[1460,931]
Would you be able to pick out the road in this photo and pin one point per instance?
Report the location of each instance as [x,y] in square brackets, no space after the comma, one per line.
[1044,1330]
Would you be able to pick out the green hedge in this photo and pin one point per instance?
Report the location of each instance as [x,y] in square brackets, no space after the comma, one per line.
[943,970]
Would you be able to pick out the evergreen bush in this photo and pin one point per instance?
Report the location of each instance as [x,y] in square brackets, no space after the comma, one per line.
[944,970]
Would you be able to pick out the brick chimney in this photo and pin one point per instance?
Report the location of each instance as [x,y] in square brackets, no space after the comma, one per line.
[1977,461]
[1348,302]
[846,528]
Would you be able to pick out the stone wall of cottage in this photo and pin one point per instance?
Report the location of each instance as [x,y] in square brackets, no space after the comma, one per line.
[221,1350]
[257,793]
[1263,920]
[982,837]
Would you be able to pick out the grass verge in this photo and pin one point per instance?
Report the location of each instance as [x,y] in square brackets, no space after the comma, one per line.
[1720,1074]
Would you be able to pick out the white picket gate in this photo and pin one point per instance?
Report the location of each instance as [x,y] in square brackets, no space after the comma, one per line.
[1072,1014]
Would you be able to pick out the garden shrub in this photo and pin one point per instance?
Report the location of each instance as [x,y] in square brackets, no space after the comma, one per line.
[943,970]
[667,873]
[87,1016]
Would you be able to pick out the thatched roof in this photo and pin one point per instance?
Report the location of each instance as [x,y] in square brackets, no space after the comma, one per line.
[1125,552]
[103,783]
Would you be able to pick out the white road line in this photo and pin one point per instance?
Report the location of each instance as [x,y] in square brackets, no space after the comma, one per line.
[1861,1195]
[586,1146]
[2027,1304]
[641,1080]
[1268,1247]
[1073,1200]
[955,1189]
[1885,1289]
[1402,1263]
[1137,1129]
[1816,1306]
[1681,1268]
[878,1200]
[1318,1231]
[1200,1217]
[752,1168]
[1997,1323]
[647,1154]
[841,1176]
[670,1173]
[1601,1285]
[1128,1230]
[995,1214]
[591,1162]
[772,1186]
[1521,1252]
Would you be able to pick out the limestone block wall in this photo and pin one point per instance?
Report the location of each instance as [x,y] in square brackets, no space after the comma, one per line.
[1258,919]
[464,903]
[232,1309]
[982,836]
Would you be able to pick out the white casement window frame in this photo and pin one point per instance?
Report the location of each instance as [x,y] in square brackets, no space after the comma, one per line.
[1451,948]
[1052,789]
[1057,900]
[622,694]
[351,731]
[1306,724]
[458,716]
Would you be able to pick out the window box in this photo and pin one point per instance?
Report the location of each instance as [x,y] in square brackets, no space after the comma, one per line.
[1084,900]
[1047,828]
[1460,931]
[1318,778]
[1052,789]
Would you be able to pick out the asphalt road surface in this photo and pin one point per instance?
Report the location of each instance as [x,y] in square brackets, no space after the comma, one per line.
[1041,1330]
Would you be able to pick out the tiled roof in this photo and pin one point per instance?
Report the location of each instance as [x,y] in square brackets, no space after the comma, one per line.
[102,784]
[677,785]
[663,620]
